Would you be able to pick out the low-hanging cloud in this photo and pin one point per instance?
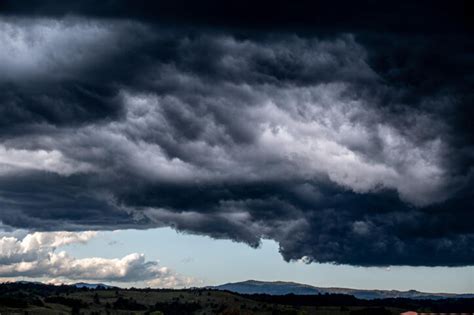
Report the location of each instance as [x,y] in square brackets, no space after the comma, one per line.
[311,141]
[35,256]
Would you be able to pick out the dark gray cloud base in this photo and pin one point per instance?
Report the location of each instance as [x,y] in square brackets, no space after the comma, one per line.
[341,146]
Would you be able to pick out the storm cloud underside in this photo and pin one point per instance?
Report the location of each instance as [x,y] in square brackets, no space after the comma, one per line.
[340,146]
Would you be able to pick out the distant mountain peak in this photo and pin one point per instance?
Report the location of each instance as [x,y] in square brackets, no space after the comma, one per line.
[283,288]
[92,285]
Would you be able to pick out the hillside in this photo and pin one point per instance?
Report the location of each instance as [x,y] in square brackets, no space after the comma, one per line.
[282,288]
[37,298]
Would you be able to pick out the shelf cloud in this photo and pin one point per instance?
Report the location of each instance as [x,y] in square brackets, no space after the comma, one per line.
[337,144]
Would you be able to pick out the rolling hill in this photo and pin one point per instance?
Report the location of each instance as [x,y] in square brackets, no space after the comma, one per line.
[282,288]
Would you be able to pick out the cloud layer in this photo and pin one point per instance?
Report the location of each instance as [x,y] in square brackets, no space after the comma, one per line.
[35,256]
[339,146]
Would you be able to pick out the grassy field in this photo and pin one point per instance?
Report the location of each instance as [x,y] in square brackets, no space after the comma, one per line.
[167,302]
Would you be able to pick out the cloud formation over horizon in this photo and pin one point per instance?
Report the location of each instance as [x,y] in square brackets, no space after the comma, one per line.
[36,256]
[337,145]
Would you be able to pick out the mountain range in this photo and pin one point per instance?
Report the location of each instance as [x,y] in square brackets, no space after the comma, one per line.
[80,285]
[282,288]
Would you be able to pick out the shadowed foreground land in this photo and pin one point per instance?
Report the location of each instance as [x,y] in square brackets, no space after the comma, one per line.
[32,298]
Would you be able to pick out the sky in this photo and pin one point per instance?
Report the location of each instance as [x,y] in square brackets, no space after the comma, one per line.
[321,142]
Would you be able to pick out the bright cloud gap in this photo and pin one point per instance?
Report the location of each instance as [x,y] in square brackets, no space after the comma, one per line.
[36,256]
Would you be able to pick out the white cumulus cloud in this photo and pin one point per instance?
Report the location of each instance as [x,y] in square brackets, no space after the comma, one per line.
[36,256]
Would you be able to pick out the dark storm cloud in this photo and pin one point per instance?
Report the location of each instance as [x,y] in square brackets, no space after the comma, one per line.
[343,144]
[309,15]
[50,202]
